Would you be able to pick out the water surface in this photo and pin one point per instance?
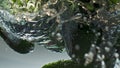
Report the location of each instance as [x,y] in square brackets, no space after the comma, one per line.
[36,59]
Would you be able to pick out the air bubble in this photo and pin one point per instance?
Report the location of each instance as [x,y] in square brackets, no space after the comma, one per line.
[107,49]
[73,56]
[77,47]
[109,43]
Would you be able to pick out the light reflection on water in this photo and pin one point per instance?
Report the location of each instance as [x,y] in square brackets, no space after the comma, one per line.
[36,59]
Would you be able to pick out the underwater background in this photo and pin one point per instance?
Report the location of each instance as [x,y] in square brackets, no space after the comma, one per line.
[36,59]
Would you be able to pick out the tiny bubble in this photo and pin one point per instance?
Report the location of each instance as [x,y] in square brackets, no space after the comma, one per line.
[73,55]
[77,47]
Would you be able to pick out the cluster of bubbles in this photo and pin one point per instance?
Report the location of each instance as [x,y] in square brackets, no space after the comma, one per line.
[103,48]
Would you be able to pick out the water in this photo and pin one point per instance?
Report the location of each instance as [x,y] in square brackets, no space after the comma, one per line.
[88,37]
[38,58]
